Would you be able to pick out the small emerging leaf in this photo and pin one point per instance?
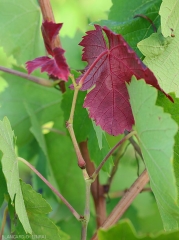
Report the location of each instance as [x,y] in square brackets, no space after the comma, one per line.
[57,65]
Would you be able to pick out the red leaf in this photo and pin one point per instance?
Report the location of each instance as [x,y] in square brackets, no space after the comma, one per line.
[109,68]
[49,31]
[55,66]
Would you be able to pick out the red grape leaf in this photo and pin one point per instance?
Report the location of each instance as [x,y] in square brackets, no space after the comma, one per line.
[49,32]
[55,66]
[109,68]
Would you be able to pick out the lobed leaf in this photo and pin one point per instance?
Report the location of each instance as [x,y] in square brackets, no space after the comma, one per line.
[156,131]
[121,20]
[37,209]
[57,65]
[164,63]
[50,31]
[173,109]
[109,68]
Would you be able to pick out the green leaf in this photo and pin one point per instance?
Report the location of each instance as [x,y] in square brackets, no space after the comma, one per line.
[36,129]
[44,102]
[122,21]
[20,29]
[97,152]
[169,17]
[37,209]
[156,131]
[123,11]
[160,53]
[64,165]
[11,172]
[172,108]
[124,230]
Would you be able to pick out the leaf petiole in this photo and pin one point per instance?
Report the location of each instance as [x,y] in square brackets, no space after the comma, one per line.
[96,172]
[69,125]
[73,211]
[37,80]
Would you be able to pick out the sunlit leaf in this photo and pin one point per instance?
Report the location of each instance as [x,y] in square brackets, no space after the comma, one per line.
[156,131]
[11,172]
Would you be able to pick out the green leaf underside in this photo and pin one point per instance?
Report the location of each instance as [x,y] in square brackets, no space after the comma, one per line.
[173,109]
[20,29]
[11,172]
[37,209]
[133,30]
[43,101]
[125,230]
[161,54]
[156,131]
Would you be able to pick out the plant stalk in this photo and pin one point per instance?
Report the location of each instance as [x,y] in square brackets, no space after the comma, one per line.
[69,125]
[3,223]
[86,211]
[37,80]
[96,172]
[97,189]
[77,216]
[125,202]
[48,15]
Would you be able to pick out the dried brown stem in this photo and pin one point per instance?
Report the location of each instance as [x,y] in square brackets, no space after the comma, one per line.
[97,190]
[125,202]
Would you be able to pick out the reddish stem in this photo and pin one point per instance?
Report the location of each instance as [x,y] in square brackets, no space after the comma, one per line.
[48,15]
[97,190]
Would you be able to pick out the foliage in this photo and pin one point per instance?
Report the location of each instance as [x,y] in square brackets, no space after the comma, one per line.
[112,91]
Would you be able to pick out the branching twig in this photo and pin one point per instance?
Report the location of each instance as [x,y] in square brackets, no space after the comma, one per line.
[41,81]
[77,216]
[134,144]
[122,193]
[110,153]
[125,202]
[120,153]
